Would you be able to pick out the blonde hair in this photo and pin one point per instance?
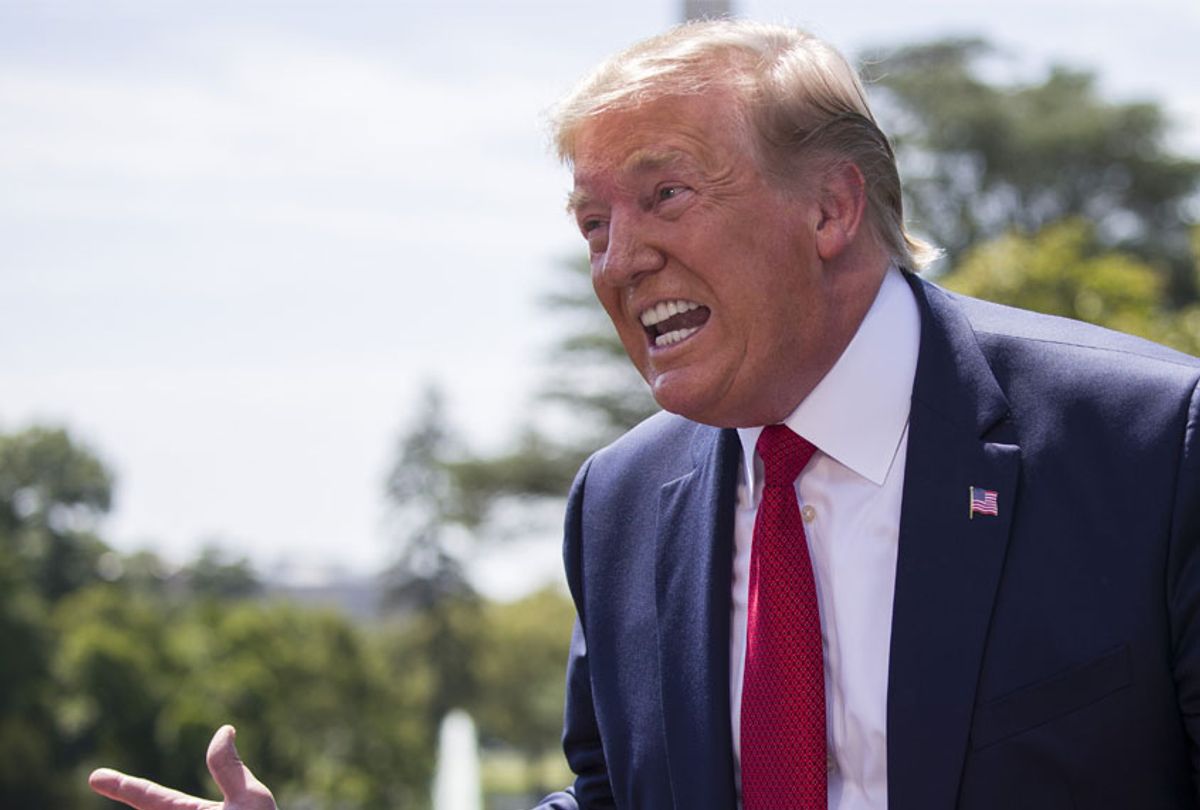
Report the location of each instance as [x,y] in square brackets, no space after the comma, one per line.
[800,100]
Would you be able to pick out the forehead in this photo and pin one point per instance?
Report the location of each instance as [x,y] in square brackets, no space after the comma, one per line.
[702,133]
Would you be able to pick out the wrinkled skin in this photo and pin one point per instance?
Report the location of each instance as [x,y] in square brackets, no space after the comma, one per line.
[676,210]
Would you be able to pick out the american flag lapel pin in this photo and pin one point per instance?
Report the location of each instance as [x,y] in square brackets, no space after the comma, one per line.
[983,502]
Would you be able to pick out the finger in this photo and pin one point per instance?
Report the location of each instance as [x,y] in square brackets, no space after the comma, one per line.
[224,763]
[142,793]
[231,775]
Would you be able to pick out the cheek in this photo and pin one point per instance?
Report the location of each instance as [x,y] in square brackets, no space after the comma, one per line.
[612,306]
[630,334]
[634,342]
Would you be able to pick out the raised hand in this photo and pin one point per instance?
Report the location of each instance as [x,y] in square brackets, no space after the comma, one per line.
[240,789]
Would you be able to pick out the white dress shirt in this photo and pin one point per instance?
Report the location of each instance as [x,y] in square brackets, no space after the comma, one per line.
[849,496]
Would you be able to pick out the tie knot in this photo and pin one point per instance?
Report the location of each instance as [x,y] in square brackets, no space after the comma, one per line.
[784,455]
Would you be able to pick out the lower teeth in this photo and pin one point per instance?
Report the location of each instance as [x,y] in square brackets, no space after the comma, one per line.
[674,336]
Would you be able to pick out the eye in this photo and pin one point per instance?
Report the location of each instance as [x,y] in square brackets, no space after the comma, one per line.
[671,196]
[595,231]
[666,193]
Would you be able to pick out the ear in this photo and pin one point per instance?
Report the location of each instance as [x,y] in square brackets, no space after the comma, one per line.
[842,200]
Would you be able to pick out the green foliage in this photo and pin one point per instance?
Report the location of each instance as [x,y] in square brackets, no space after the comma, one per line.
[332,724]
[1063,270]
[421,493]
[29,751]
[53,491]
[437,649]
[325,719]
[213,574]
[111,661]
[537,467]
[45,475]
[982,158]
[503,663]
[112,675]
[520,665]
[426,585]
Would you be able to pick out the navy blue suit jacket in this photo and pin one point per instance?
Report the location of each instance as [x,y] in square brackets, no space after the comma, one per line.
[1048,657]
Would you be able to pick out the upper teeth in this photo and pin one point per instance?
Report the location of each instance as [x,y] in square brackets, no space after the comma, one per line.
[665,309]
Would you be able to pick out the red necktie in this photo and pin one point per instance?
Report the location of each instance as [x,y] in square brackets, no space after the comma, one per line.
[783,688]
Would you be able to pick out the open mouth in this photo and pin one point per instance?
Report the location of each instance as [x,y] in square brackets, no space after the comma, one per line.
[669,322]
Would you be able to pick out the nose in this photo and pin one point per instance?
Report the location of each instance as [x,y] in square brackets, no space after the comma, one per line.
[630,252]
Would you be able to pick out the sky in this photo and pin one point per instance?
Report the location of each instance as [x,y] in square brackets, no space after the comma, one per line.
[239,239]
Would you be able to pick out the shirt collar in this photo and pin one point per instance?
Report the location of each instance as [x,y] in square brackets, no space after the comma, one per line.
[858,411]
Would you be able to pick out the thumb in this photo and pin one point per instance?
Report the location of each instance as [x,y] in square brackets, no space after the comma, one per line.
[231,775]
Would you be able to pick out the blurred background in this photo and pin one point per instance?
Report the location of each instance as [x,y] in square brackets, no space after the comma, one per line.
[299,354]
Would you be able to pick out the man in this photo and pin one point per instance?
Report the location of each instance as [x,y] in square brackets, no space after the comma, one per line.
[889,547]
[1000,516]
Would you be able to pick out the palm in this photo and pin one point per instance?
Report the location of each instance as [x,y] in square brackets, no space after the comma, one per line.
[240,789]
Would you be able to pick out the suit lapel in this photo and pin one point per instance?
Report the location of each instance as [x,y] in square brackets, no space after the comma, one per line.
[692,586]
[949,563]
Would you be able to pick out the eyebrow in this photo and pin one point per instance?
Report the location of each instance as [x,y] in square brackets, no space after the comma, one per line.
[639,162]
[577,199]
[646,160]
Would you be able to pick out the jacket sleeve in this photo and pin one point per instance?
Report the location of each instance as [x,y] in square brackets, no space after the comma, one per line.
[563,800]
[581,733]
[1183,584]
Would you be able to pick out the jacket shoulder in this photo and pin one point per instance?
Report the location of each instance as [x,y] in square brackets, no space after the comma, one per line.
[660,448]
[998,325]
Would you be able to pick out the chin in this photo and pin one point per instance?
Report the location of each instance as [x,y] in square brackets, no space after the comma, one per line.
[690,404]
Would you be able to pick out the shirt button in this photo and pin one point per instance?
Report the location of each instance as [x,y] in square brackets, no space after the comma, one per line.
[809,513]
[830,763]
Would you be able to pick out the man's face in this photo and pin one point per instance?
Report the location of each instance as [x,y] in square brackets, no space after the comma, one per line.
[709,272]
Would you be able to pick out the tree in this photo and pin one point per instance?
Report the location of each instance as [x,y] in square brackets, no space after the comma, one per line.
[982,158]
[520,670]
[53,492]
[420,490]
[1063,269]
[328,721]
[427,583]
[214,574]
[590,373]
[112,676]
[29,750]
[325,720]
[104,664]
[592,395]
